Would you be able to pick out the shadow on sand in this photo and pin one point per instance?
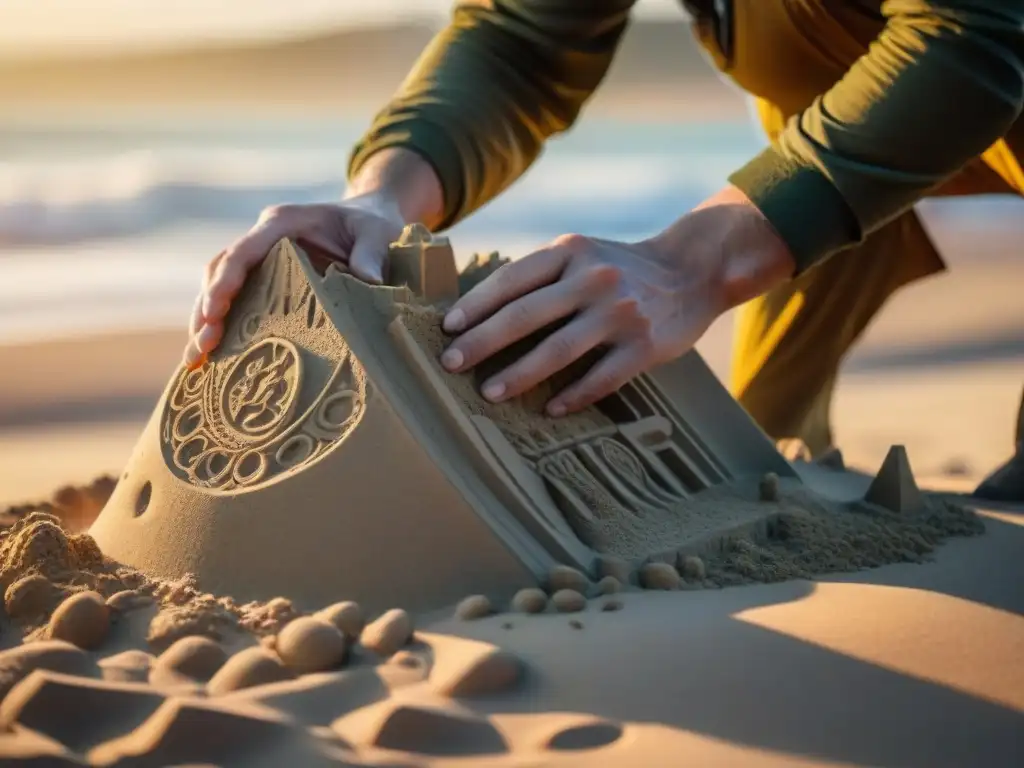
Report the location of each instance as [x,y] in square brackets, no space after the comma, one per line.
[719,675]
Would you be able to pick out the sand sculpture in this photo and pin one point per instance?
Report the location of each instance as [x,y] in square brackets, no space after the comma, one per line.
[894,487]
[323,450]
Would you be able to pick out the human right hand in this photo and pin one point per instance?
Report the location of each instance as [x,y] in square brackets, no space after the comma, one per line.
[356,232]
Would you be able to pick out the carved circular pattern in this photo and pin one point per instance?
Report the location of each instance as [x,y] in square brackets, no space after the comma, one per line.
[237,424]
[261,389]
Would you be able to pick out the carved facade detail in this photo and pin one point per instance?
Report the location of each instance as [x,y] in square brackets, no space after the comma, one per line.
[265,404]
[642,464]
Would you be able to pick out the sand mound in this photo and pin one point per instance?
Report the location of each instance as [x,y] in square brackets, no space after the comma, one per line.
[811,536]
[57,584]
[41,564]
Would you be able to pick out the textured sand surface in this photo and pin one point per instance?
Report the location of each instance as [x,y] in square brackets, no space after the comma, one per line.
[907,665]
[914,664]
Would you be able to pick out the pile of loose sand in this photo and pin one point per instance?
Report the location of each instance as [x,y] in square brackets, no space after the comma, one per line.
[43,566]
[811,536]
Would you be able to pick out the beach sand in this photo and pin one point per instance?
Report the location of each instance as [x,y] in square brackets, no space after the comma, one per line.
[913,665]
[903,665]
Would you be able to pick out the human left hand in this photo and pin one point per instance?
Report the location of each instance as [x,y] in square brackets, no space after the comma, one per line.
[646,302]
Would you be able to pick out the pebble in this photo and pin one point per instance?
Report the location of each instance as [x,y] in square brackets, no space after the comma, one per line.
[83,619]
[614,566]
[30,596]
[347,616]
[608,585]
[195,657]
[563,577]
[247,668]
[693,568]
[659,576]
[611,605]
[309,644]
[473,607]
[388,633]
[768,488]
[128,600]
[530,600]
[568,601]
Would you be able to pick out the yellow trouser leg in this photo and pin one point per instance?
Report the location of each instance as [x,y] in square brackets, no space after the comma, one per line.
[790,343]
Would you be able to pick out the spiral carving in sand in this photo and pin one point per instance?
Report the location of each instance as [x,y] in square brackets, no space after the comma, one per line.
[264,406]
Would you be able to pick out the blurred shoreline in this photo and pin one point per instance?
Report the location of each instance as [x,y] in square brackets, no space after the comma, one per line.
[659,70]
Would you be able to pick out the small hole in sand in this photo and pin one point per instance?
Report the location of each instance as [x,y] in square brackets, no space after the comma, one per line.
[586,736]
[142,502]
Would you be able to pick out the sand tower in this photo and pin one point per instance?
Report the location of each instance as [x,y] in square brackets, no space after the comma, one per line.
[323,452]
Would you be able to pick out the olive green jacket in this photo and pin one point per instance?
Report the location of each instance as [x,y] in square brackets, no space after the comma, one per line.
[943,81]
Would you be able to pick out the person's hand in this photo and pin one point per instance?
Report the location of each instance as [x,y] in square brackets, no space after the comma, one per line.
[646,302]
[356,232]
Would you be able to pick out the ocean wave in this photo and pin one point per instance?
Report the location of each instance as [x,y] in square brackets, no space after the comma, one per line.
[597,183]
[65,203]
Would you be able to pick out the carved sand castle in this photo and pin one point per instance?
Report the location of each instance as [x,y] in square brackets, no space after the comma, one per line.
[323,451]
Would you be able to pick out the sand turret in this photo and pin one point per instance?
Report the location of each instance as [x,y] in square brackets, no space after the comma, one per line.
[894,487]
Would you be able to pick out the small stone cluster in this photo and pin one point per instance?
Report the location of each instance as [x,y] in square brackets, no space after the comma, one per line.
[167,703]
[568,590]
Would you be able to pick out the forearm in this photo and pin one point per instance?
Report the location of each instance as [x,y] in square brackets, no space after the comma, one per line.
[404,178]
[490,88]
[750,258]
[944,80]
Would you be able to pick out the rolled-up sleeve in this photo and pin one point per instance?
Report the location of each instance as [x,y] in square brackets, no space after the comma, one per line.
[943,81]
[502,77]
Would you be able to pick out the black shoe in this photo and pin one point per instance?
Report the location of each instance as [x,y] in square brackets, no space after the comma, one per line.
[1007,482]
